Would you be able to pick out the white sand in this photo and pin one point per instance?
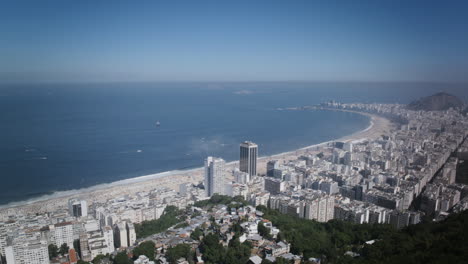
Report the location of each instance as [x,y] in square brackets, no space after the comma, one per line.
[103,192]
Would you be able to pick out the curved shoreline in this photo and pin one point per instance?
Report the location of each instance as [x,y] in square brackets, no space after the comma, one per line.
[377,126]
[102,192]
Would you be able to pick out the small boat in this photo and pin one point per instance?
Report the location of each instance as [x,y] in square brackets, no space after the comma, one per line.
[158,123]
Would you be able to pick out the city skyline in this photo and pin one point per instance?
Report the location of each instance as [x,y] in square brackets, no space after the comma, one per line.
[131,132]
[405,169]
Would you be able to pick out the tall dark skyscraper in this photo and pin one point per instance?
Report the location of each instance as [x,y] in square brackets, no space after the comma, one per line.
[77,208]
[248,158]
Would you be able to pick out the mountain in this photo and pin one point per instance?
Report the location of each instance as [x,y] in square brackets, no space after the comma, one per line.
[436,102]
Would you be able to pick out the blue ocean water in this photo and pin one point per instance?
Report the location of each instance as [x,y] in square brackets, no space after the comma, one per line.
[57,137]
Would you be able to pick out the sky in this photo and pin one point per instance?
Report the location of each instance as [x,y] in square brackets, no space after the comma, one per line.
[233,40]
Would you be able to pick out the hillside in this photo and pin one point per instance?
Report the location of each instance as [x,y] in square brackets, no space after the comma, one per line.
[437,242]
[428,242]
[436,102]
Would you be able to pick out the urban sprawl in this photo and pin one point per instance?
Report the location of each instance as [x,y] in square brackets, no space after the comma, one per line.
[397,178]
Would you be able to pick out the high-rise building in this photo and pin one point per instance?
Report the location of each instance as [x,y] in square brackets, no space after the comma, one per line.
[241,177]
[248,158]
[214,176]
[77,208]
[109,237]
[62,233]
[272,165]
[274,185]
[98,244]
[27,250]
[319,207]
[120,235]
[131,234]
[84,247]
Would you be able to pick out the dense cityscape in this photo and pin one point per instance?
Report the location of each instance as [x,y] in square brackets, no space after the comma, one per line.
[404,177]
[233,132]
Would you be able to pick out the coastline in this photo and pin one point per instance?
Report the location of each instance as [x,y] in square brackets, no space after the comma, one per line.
[172,179]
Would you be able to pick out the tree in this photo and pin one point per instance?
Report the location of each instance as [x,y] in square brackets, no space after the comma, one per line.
[64,249]
[196,234]
[53,251]
[82,262]
[321,240]
[98,259]
[180,251]
[237,252]
[181,225]
[213,251]
[222,199]
[122,258]
[236,228]
[146,248]
[264,231]
[280,260]
[171,216]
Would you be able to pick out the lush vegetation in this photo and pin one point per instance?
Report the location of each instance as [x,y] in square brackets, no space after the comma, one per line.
[180,251]
[238,252]
[181,225]
[215,199]
[214,252]
[236,228]
[98,259]
[196,234]
[279,260]
[63,250]
[327,241]
[170,217]
[53,251]
[146,248]
[122,258]
[264,231]
[432,242]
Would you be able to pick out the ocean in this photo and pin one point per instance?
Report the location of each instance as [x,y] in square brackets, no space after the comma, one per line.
[57,137]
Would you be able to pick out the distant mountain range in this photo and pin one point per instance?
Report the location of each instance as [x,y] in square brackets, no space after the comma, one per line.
[436,102]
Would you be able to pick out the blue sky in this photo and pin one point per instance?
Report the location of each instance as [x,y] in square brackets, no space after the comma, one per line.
[234,41]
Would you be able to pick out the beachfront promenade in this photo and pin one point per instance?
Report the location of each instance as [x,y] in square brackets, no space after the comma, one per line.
[378,126]
[392,173]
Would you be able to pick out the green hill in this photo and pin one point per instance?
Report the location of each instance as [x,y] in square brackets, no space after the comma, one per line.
[434,242]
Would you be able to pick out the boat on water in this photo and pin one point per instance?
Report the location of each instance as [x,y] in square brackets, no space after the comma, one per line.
[158,123]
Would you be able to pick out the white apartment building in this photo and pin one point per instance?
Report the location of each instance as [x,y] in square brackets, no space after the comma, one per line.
[214,176]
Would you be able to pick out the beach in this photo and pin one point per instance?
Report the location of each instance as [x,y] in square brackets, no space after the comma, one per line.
[172,179]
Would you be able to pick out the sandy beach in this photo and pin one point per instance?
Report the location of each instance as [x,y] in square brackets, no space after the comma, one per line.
[173,179]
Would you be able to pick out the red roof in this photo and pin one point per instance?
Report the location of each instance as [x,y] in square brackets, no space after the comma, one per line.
[72,255]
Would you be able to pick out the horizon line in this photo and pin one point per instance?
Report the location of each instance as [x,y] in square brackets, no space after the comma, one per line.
[225,81]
